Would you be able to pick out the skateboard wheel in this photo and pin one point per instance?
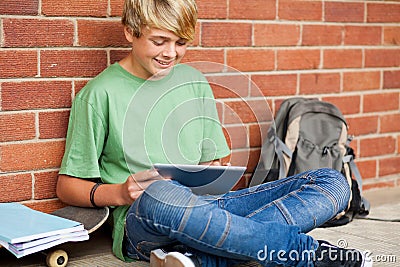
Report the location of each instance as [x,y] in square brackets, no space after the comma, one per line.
[57,258]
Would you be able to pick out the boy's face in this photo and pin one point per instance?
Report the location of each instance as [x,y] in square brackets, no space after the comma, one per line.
[153,52]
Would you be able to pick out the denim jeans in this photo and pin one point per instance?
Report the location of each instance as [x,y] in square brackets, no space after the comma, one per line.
[266,223]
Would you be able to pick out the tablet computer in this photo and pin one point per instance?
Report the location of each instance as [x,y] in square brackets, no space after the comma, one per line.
[203,179]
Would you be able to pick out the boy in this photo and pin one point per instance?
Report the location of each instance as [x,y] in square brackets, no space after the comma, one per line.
[147,109]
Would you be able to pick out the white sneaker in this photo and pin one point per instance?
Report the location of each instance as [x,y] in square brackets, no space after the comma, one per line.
[159,258]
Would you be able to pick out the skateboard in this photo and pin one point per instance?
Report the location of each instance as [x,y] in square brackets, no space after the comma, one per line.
[91,219]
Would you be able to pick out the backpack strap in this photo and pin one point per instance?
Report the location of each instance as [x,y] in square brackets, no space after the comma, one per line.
[365,205]
[280,148]
[274,141]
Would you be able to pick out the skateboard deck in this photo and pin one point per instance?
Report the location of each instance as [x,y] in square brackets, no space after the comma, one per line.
[91,219]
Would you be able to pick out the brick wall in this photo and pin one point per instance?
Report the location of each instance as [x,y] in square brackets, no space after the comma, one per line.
[345,52]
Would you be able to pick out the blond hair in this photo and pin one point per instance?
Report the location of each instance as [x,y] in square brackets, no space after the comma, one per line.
[177,16]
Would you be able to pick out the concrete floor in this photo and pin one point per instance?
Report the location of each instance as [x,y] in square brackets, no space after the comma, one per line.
[380,238]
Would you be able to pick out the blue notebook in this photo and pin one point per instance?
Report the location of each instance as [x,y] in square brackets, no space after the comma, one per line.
[22,249]
[19,223]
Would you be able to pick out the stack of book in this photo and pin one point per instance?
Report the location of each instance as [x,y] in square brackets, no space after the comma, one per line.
[24,231]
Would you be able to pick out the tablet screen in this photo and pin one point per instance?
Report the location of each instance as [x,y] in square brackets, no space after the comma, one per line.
[203,179]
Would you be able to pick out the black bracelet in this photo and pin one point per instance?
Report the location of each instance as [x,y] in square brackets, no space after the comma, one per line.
[92,194]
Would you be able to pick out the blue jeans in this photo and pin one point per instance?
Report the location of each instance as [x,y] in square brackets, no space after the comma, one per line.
[266,223]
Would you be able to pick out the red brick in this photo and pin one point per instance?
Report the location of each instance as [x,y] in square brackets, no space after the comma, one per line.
[276,34]
[117,55]
[96,33]
[361,81]
[253,160]
[382,57]
[389,166]
[91,8]
[383,12]
[377,146]
[298,59]
[242,183]
[246,158]
[36,95]
[227,137]
[226,34]
[262,111]
[377,185]
[251,59]
[381,102]
[275,85]
[390,123]
[220,110]
[367,168]
[271,106]
[319,83]
[45,184]
[391,79]
[237,112]
[219,9]
[258,133]
[19,7]
[15,187]
[391,35]
[344,12]
[14,63]
[46,206]
[37,32]
[252,9]
[277,104]
[362,35]
[31,156]
[237,135]
[16,127]
[72,63]
[242,111]
[213,59]
[196,41]
[78,85]
[300,10]
[322,35]
[346,104]
[363,125]
[398,144]
[116,7]
[342,58]
[53,124]
[229,86]
[355,146]
[226,159]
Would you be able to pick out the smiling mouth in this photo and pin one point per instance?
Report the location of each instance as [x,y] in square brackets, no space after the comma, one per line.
[164,63]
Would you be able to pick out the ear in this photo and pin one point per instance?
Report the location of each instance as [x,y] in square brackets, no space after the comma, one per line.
[128,34]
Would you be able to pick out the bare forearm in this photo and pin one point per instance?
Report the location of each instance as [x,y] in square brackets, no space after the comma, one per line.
[76,191]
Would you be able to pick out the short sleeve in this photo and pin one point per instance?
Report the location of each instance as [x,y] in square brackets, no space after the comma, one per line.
[85,140]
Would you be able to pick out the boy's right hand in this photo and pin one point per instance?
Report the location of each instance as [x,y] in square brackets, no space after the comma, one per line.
[137,183]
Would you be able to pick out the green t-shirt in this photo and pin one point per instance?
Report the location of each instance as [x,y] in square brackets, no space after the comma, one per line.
[120,124]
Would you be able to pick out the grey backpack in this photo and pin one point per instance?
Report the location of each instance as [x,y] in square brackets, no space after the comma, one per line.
[310,134]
